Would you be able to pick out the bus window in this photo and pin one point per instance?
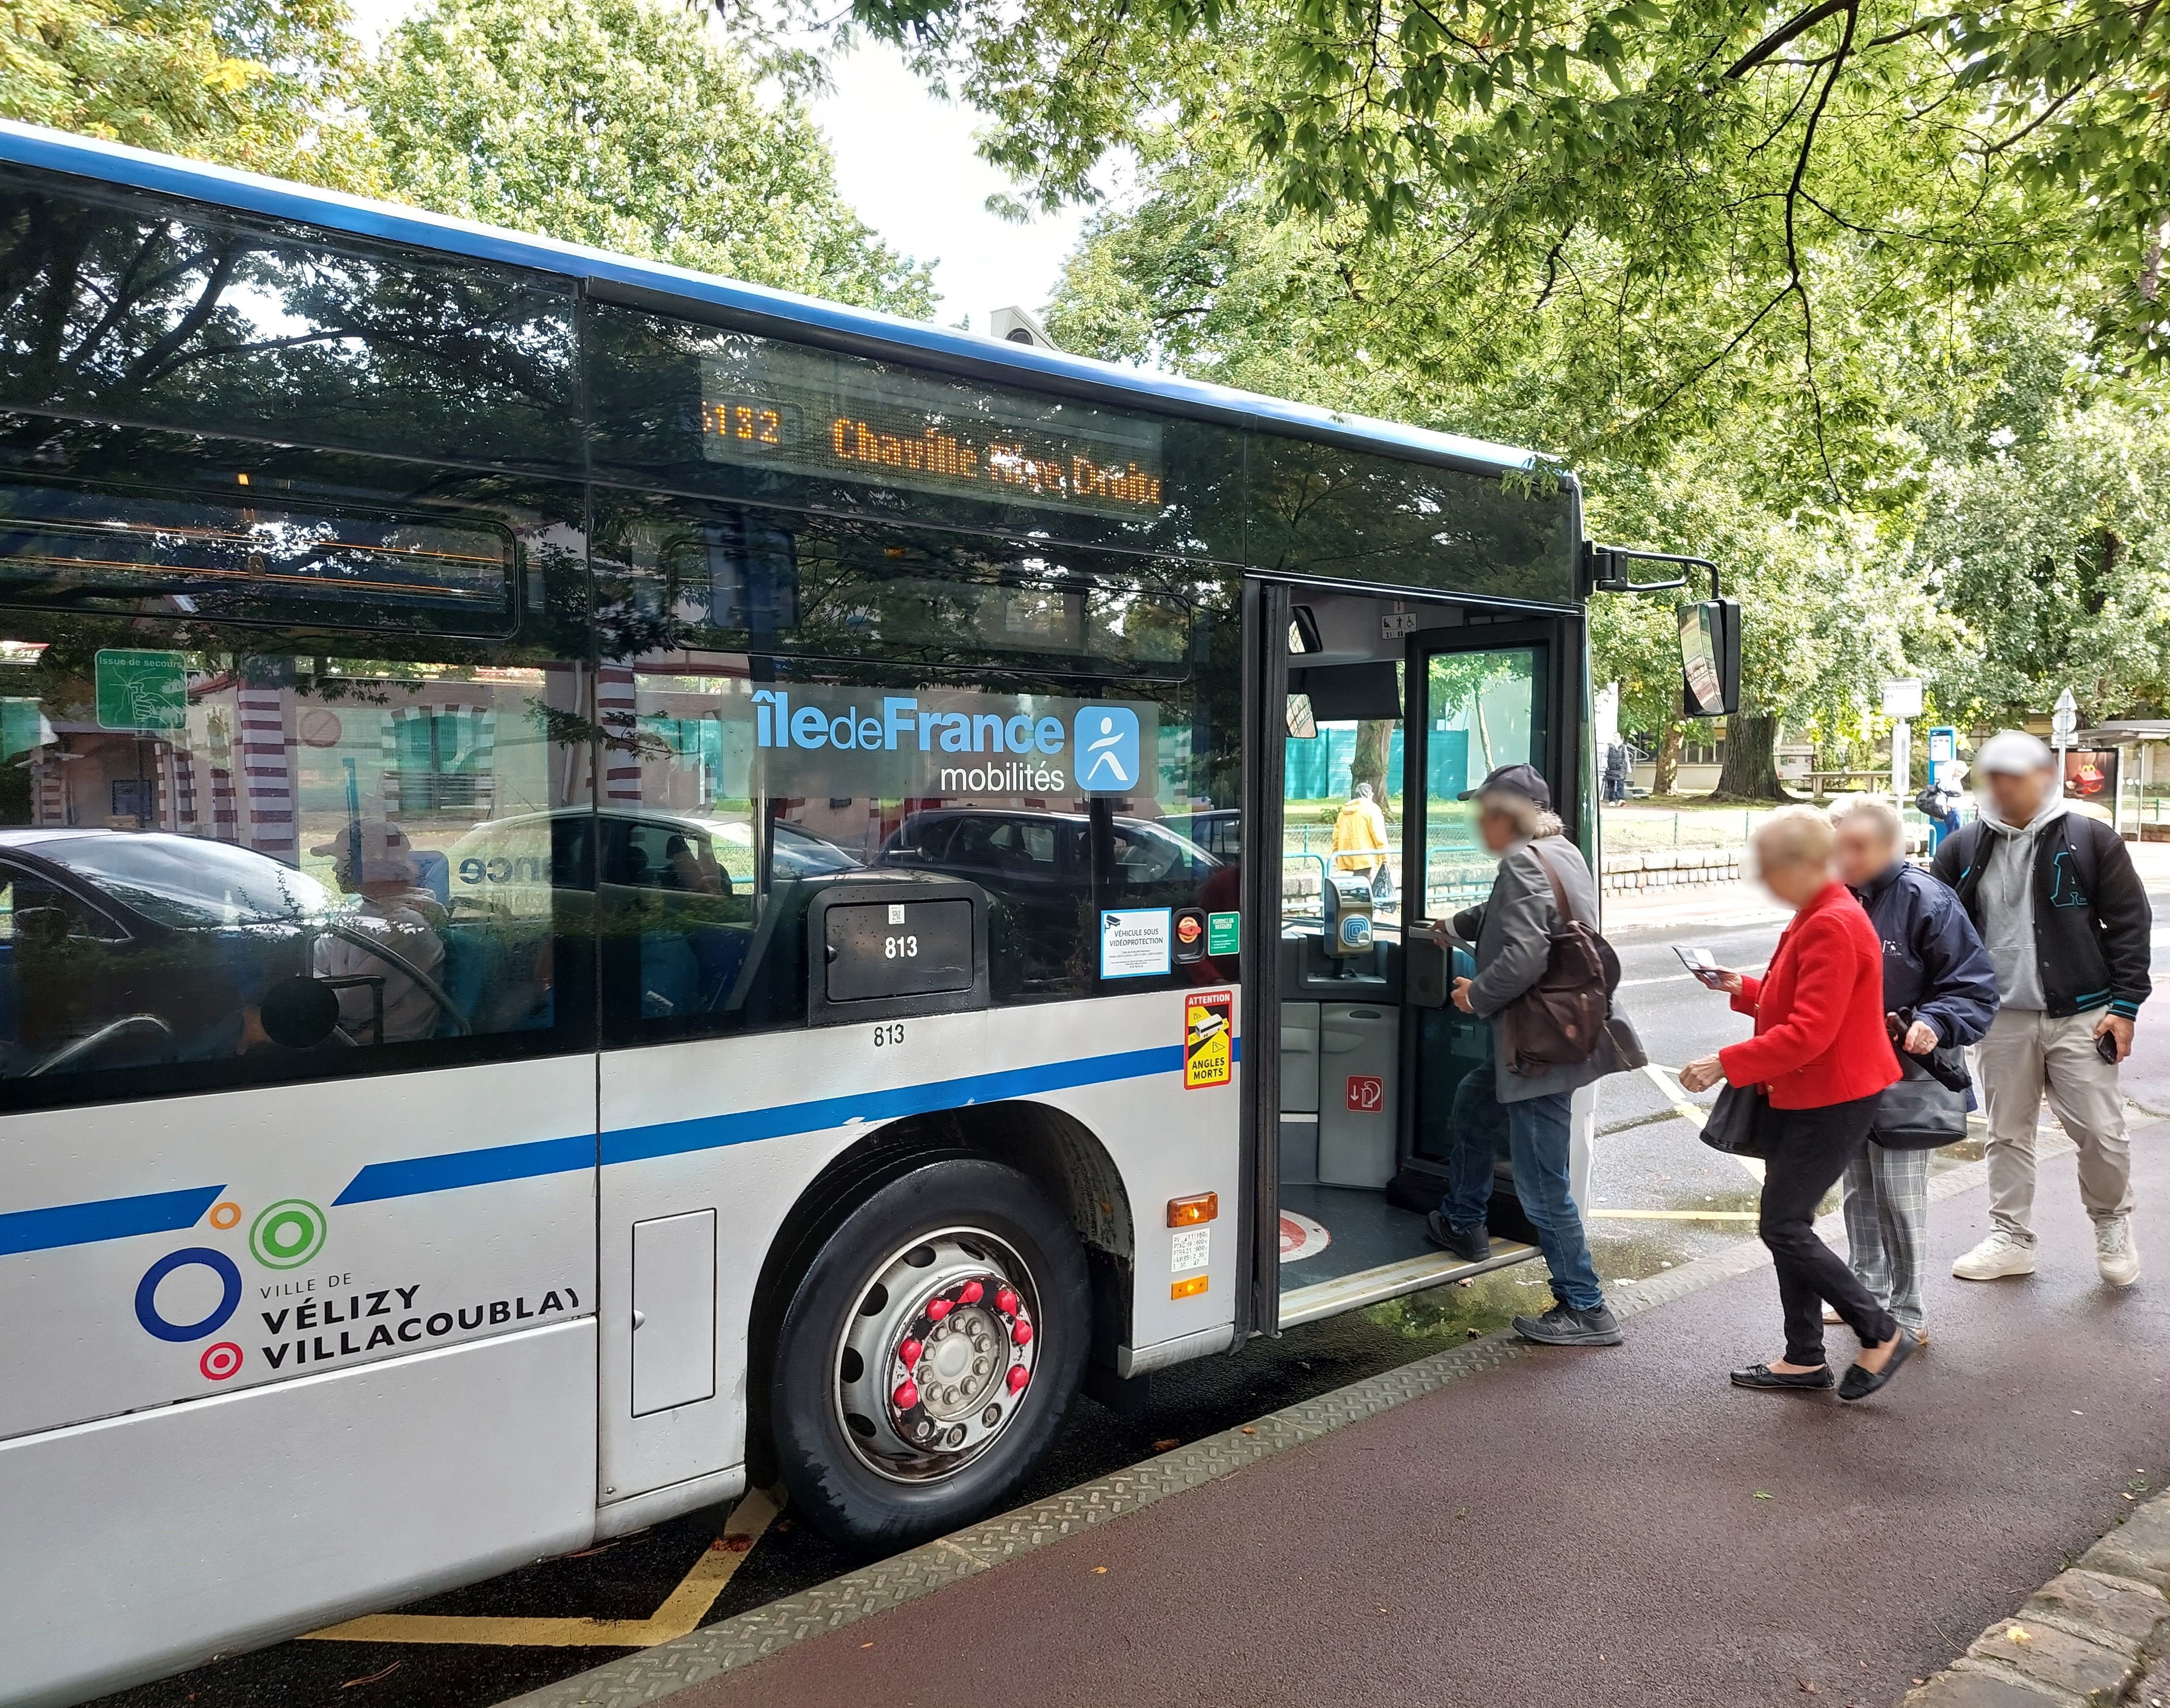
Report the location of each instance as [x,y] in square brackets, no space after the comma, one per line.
[165,315]
[1323,509]
[736,575]
[201,834]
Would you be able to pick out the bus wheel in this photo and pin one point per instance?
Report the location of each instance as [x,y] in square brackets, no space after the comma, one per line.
[929,1353]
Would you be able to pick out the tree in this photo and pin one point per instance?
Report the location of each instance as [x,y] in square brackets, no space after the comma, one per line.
[255,84]
[1198,274]
[626,125]
[2051,554]
[1746,182]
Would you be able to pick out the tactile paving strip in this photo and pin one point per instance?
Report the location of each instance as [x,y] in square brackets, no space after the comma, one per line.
[738,1641]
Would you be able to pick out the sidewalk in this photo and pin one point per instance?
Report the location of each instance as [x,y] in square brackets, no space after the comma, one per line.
[1593,1528]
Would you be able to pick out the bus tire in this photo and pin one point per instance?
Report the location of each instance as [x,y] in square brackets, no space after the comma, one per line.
[964,1267]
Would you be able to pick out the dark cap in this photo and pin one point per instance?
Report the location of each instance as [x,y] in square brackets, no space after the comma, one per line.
[1523,780]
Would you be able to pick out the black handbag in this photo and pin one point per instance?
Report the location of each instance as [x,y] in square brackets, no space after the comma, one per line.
[1739,1121]
[1922,1112]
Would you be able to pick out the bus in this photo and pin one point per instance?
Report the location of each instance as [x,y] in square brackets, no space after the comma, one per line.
[614,885]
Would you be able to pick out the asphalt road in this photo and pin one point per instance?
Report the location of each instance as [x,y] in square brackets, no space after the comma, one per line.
[1659,1198]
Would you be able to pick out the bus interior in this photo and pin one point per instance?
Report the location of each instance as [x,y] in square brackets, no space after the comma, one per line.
[1389,709]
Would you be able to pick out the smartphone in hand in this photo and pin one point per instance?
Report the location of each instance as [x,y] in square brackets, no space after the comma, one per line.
[2106,1048]
[1703,964]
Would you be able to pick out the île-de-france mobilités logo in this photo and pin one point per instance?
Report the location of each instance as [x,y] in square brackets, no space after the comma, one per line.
[1104,750]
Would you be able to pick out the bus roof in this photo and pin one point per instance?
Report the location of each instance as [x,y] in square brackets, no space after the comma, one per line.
[660,285]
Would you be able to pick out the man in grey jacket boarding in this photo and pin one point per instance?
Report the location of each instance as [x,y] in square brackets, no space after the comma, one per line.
[1511,934]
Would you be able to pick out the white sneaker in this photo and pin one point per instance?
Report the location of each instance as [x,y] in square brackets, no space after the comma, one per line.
[1996,1256]
[2116,1257]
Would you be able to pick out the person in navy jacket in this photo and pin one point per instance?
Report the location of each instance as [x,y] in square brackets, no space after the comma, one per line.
[1939,989]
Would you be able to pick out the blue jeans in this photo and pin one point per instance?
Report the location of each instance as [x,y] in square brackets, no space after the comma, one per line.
[1538,1145]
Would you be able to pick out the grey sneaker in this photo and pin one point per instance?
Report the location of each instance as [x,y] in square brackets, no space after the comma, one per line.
[1472,1245]
[1561,1325]
[2117,1259]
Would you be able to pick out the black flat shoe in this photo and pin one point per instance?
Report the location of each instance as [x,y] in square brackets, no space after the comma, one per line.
[1763,1376]
[1859,1384]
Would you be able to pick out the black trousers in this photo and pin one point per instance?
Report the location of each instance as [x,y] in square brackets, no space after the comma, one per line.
[1809,1151]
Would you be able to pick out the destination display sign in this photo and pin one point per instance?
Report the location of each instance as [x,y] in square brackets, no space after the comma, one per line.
[805,411]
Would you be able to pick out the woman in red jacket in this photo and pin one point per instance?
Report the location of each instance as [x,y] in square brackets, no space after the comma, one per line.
[1822,1052]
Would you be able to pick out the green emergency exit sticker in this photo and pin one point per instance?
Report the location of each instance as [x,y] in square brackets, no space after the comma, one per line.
[141,689]
[1224,932]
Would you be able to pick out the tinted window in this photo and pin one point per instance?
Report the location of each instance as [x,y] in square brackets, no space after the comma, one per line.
[222,868]
[1318,509]
[709,575]
[161,312]
[1045,785]
[249,558]
[701,410]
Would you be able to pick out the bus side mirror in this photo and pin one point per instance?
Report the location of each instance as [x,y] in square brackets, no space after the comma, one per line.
[1710,657]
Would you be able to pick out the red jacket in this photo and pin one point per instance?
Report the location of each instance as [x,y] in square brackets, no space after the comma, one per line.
[1818,1007]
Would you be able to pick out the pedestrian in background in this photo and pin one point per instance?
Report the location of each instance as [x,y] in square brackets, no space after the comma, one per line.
[1821,1052]
[1939,992]
[1617,768]
[1512,931]
[1360,837]
[2054,895]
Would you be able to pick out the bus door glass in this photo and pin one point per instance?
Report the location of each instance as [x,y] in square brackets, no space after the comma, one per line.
[1486,699]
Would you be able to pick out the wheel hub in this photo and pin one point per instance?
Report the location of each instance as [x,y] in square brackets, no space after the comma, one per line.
[938,1357]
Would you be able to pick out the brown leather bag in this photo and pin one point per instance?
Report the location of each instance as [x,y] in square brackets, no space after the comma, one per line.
[1560,1021]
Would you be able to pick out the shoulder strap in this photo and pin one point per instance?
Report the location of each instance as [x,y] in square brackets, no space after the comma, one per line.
[1559,893]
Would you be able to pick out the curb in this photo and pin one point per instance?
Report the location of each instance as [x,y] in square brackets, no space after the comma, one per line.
[730,1644]
[2082,1640]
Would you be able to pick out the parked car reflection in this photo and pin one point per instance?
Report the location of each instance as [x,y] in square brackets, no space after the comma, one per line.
[131,948]
[1038,866]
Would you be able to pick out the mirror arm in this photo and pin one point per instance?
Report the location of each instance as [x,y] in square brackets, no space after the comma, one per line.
[1607,567]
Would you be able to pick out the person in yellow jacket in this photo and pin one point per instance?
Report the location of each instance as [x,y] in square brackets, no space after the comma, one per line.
[1360,836]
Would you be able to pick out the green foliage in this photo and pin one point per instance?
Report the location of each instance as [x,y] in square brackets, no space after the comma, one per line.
[2051,555]
[248,82]
[626,125]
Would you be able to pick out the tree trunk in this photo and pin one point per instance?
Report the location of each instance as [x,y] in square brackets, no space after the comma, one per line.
[1750,769]
[1375,738]
[1666,769]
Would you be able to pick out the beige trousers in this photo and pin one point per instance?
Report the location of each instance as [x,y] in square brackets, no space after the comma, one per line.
[2026,1054]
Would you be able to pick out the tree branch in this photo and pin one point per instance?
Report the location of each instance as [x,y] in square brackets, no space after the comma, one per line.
[1785,35]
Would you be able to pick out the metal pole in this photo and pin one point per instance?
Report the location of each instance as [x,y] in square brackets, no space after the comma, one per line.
[1902,759]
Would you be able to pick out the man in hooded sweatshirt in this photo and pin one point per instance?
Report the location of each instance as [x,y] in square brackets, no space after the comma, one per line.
[2064,917]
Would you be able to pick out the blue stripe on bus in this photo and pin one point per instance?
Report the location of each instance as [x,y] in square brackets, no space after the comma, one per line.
[108,1218]
[457,1168]
[712,1132]
[425,1174]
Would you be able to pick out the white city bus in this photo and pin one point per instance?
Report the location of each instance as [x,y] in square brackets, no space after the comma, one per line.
[612,884]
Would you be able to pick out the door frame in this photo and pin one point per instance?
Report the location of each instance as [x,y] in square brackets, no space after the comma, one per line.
[1265,614]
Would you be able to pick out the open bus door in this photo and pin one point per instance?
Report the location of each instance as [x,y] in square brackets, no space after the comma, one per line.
[1351,1055]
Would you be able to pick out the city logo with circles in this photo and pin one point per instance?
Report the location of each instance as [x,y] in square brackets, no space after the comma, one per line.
[284,1236]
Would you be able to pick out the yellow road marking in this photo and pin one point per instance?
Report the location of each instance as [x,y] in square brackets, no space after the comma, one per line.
[1675,1215]
[682,1611]
[1692,1114]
